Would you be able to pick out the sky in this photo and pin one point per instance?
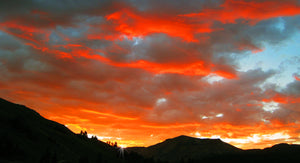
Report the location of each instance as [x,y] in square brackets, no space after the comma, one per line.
[139,72]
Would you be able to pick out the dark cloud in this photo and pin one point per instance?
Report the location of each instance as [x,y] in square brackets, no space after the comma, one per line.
[174,7]
[225,98]
[293,88]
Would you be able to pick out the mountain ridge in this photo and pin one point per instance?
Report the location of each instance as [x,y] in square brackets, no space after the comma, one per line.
[28,137]
[192,153]
[181,147]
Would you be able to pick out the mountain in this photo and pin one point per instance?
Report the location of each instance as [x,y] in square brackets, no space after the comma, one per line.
[28,137]
[189,150]
[182,148]
[276,154]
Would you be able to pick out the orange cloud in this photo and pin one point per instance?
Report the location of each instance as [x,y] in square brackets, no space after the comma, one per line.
[109,115]
[173,126]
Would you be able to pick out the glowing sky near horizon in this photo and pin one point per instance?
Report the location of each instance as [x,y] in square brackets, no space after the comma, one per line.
[138,72]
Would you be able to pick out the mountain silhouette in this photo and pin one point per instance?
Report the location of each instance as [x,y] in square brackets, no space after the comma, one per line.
[28,137]
[183,147]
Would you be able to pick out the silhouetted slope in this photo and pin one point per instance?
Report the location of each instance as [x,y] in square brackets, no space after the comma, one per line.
[276,154]
[28,137]
[184,148]
[191,150]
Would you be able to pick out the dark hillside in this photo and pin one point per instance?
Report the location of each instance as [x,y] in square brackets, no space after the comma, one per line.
[185,147]
[193,150]
[28,137]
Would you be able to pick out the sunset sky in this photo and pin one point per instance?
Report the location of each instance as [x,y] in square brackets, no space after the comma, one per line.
[138,72]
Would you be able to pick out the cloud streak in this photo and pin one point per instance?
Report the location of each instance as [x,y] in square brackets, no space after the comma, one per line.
[108,115]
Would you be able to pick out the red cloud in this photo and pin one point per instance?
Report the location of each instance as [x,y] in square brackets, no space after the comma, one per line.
[133,24]
[196,68]
[28,33]
[283,99]
[254,11]
[296,77]
[32,36]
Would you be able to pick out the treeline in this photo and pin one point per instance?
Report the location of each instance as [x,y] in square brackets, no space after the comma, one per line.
[84,135]
[121,153]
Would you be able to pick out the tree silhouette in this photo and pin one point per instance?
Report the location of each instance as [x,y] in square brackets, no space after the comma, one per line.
[116,144]
[94,139]
[83,133]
